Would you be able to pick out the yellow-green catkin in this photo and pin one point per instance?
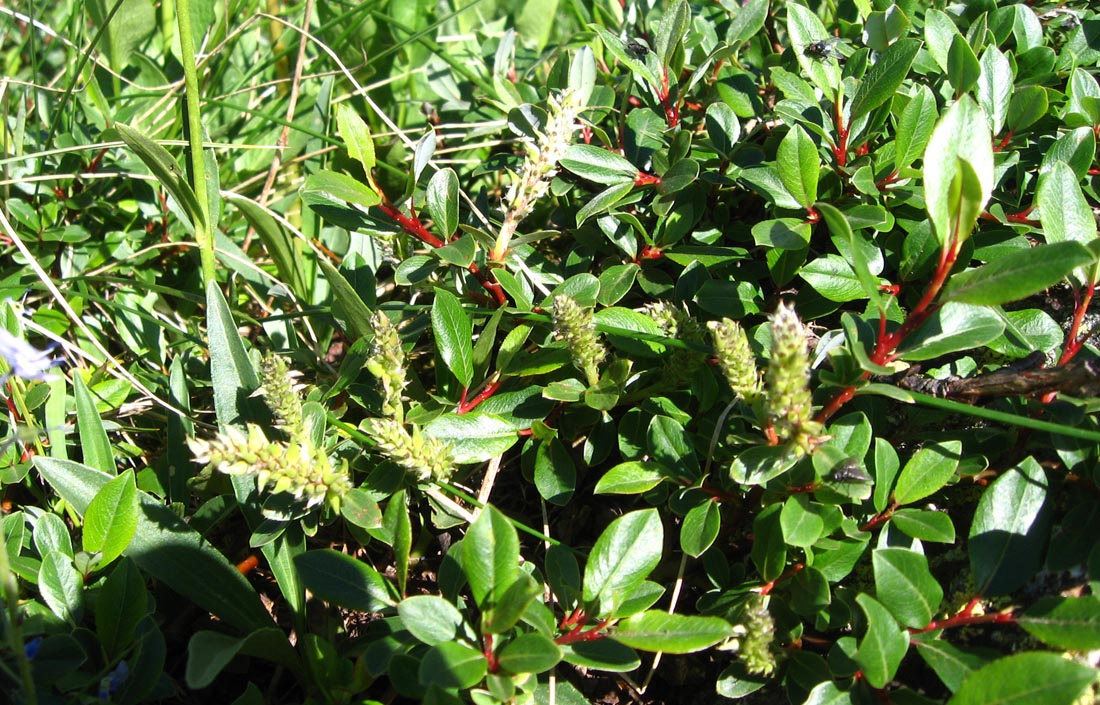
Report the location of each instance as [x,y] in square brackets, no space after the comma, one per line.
[296,467]
[577,327]
[539,168]
[759,633]
[388,365]
[789,406]
[735,359]
[680,364]
[280,393]
[427,459]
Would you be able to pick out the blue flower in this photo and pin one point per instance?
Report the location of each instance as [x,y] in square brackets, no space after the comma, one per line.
[113,681]
[31,647]
[24,360]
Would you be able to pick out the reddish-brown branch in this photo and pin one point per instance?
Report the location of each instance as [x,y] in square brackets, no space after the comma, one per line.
[841,149]
[643,179]
[672,110]
[787,575]
[490,389]
[487,650]
[962,620]
[885,181]
[1004,141]
[879,519]
[572,637]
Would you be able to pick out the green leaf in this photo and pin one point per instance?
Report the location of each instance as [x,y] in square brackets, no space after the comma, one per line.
[842,230]
[452,665]
[723,127]
[905,586]
[529,653]
[804,29]
[1018,275]
[1083,108]
[915,126]
[802,526]
[1028,105]
[700,528]
[619,49]
[963,67]
[429,618]
[285,251]
[356,135]
[208,653]
[669,444]
[631,477]
[51,534]
[884,78]
[164,168]
[231,373]
[1009,531]
[883,646]
[442,198]
[350,306]
[605,200]
[511,606]
[555,473]
[167,549]
[454,333]
[1033,678]
[952,664]
[924,524]
[1065,213]
[1064,622]
[656,630]
[358,508]
[330,188]
[929,470]
[799,166]
[490,556]
[112,518]
[341,580]
[833,278]
[953,327]
[958,170]
[616,282]
[995,87]
[61,587]
[602,655]
[94,444]
[623,556]
[769,551]
[474,437]
[599,165]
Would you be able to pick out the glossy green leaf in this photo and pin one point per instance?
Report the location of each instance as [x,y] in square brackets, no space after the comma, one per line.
[952,664]
[555,472]
[1083,108]
[1028,105]
[995,87]
[700,528]
[442,198]
[801,524]
[963,67]
[511,605]
[605,201]
[61,587]
[905,586]
[452,665]
[349,305]
[623,556]
[1009,531]
[167,549]
[1064,622]
[924,524]
[723,127]
[1034,678]
[958,170]
[599,165]
[841,230]
[529,653]
[231,372]
[619,49]
[631,477]
[208,653]
[884,78]
[359,508]
[915,126]
[669,444]
[429,618]
[454,333]
[112,518]
[616,282]
[340,579]
[1065,213]
[928,471]
[769,551]
[833,278]
[657,630]
[953,327]
[94,444]
[799,166]
[602,655]
[474,437]
[330,188]
[1017,275]
[51,534]
[490,556]
[804,29]
[883,646]
[356,135]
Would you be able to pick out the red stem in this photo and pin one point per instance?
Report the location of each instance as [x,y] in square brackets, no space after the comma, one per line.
[576,634]
[490,389]
[787,574]
[963,619]
[490,657]
[841,149]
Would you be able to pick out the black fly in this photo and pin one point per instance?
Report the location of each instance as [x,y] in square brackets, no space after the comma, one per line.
[849,471]
[637,48]
[824,49]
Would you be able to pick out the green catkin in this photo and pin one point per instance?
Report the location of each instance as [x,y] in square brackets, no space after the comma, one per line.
[577,327]
[788,403]
[735,359]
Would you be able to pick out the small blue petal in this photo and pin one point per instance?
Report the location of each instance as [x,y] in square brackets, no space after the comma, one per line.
[31,647]
[24,359]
